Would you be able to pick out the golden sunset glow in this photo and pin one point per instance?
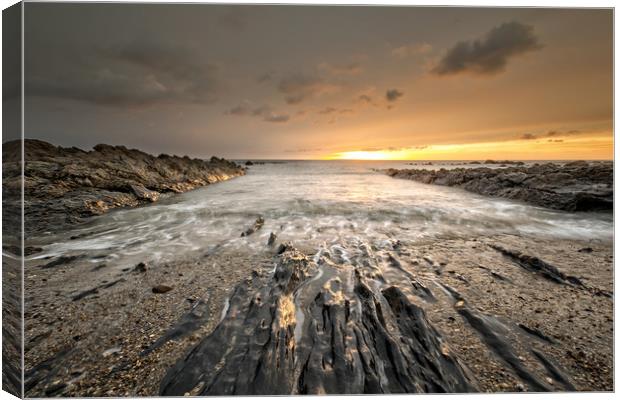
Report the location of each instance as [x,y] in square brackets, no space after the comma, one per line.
[594,147]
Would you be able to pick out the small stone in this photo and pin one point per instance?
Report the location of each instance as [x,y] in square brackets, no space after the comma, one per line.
[272,239]
[140,267]
[159,289]
[585,250]
[111,351]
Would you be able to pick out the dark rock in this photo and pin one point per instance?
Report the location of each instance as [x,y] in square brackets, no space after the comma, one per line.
[535,264]
[357,340]
[248,163]
[554,371]
[65,185]
[537,333]
[62,260]
[143,193]
[548,271]
[576,186]
[30,250]
[579,163]
[140,267]
[284,247]
[55,388]
[487,328]
[95,290]
[585,250]
[159,289]
[257,225]
[188,323]
[272,239]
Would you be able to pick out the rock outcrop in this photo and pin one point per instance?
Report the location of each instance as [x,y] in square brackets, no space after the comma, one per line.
[575,186]
[65,185]
[304,330]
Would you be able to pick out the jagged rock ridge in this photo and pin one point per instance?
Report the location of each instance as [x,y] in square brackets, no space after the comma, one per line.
[64,185]
[575,186]
[306,330]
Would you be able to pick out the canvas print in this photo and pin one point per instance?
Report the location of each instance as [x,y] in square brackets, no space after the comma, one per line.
[235,199]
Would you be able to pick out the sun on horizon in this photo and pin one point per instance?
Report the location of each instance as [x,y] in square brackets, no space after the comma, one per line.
[594,146]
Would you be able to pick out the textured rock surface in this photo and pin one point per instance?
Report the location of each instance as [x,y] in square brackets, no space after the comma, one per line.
[64,185]
[305,331]
[575,186]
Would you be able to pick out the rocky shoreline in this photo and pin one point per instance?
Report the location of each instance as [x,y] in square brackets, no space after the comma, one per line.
[574,186]
[63,186]
[482,312]
[450,315]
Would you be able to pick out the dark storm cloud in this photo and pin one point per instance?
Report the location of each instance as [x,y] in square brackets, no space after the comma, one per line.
[393,95]
[298,88]
[489,54]
[265,112]
[135,74]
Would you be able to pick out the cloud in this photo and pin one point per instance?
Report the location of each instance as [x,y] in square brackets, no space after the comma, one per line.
[242,109]
[563,133]
[265,112]
[489,55]
[298,88]
[411,50]
[136,74]
[365,98]
[550,134]
[393,94]
[327,110]
[335,111]
[266,77]
[272,117]
[341,69]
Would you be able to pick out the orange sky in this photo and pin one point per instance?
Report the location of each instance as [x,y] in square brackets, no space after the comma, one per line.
[283,82]
[589,146]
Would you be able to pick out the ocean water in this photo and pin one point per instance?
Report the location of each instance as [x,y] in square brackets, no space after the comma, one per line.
[312,203]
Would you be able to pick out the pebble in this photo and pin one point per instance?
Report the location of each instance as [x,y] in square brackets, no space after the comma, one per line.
[111,351]
[159,289]
[140,267]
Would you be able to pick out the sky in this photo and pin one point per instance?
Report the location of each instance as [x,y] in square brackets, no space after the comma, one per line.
[322,82]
